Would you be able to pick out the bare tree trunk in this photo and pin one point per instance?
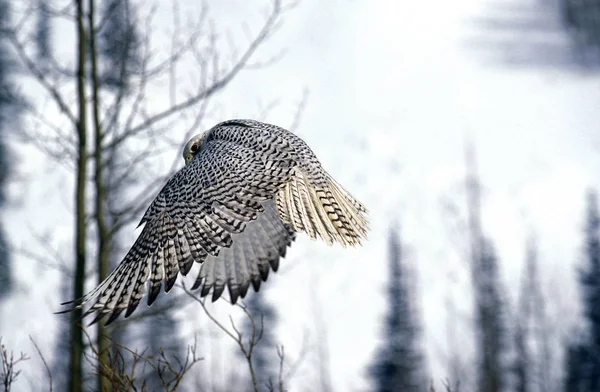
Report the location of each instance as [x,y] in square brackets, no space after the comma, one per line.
[75,379]
[102,234]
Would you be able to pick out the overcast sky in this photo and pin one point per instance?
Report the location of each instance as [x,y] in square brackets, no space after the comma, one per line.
[395,88]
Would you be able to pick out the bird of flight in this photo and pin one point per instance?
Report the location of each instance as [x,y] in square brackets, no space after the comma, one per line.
[246,189]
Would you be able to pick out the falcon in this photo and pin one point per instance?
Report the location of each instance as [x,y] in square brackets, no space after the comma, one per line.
[246,189]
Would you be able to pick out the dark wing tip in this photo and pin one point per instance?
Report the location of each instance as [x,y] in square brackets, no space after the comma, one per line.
[131,308]
[113,316]
[197,283]
[234,292]
[170,282]
[153,294]
[217,291]
[72,305]
[263,269]
[64,311]
[244,288]
[256,282]
[205,290]
[275,263]
[99,316]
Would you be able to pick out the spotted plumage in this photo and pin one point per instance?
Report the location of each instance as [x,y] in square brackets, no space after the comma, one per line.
[247,188]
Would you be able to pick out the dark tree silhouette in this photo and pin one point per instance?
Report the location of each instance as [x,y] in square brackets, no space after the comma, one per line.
[575,362]
[9,117]
[534,354]
[264,359]
[43,32]
[522,365]
[62,347]
[399,363]
[489,319]
[589,280]
[118,44]
[582,365]
[583,18]
[522,368]
[489,307]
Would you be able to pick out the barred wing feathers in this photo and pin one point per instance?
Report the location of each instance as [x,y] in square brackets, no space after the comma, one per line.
[235,208]
[196,215]
[248,261]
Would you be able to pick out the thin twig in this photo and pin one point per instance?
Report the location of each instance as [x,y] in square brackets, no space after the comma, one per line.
[8,364]
[44,361]
[236,335]
[281,355]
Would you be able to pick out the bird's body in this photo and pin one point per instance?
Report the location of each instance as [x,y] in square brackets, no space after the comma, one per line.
[236,206]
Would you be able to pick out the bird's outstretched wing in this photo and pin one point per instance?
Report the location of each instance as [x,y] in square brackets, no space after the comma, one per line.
[235,208]
[202,215]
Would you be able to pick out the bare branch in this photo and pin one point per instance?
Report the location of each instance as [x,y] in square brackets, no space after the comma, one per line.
[53,259]
[41,77]
[300,110]
[268,62]
[175,301]
[173,59]
[281,355]
[296,364]
[170,371]
[256,334]
[215,87]
[448,386]
[210,316]
[48,372]
[60,146]
[8,367]
[114,110]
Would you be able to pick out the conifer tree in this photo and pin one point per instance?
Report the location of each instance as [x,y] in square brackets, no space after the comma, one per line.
[399,364]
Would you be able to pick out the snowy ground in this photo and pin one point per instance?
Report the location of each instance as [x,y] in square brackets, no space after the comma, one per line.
[395,90]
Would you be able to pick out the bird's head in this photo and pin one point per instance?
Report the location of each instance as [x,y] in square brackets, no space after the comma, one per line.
[192,148]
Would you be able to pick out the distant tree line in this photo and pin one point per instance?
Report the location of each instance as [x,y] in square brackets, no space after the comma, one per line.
[514,346]
[583,16]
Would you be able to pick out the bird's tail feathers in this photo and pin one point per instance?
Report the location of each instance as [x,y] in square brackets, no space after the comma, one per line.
[330,212]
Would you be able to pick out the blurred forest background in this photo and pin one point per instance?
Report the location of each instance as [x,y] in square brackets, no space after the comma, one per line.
[97,99]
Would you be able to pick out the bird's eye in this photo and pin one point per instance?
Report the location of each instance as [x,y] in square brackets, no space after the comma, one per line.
[194,148]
